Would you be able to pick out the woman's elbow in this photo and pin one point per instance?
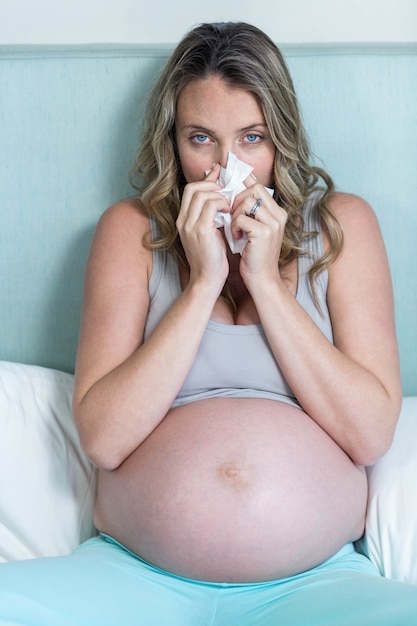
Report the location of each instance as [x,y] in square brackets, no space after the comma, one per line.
[370,453]
[103,456]
[376,442]
[99,448]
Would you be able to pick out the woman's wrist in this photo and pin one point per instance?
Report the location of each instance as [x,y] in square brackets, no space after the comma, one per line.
[260,286]
[204,290]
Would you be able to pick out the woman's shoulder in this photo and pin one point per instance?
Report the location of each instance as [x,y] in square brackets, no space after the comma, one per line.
[350,208]
[355,215]
[356,218]
[125,213]
[359,224]
[123,223]
[118,242]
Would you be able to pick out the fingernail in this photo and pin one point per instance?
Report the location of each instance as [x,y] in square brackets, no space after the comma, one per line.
[214,167]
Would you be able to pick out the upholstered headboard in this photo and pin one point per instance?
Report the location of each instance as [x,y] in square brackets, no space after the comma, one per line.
[70,121]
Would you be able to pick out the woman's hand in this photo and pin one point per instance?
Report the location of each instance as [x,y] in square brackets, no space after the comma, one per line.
[203,243]
[264,230]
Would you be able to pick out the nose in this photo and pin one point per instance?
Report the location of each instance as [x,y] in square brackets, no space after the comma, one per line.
[222,155]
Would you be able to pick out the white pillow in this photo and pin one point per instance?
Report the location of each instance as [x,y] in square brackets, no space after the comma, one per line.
[390,539]
[47,485]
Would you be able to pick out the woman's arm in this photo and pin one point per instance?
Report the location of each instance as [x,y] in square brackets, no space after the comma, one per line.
[351,389]
[124,387]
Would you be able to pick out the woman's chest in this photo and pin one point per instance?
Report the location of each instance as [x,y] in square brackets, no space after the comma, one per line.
[234,361]
[235,306]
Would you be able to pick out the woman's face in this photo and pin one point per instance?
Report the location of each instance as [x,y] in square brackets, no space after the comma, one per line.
[214,119]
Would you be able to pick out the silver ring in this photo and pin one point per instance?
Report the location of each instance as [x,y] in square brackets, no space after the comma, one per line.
[255,208]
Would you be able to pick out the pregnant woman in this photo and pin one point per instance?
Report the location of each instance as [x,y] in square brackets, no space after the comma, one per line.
[231,400]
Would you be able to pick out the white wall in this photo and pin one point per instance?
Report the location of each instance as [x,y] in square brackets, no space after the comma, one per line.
[156,21]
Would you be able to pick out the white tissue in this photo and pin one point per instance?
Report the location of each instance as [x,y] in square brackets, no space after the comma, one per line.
[231,180]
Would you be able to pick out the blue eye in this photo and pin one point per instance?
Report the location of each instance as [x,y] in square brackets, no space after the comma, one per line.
[200,138]
[252,137]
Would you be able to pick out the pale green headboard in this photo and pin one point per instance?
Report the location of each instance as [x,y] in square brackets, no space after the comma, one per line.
[70,122]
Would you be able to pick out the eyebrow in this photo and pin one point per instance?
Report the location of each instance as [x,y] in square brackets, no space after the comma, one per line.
[208,131]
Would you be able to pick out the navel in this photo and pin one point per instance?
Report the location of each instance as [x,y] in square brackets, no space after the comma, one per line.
[235,475]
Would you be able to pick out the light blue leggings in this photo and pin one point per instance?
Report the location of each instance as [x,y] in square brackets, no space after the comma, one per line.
[103,584]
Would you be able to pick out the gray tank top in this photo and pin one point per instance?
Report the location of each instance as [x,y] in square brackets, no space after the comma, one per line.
[236,360]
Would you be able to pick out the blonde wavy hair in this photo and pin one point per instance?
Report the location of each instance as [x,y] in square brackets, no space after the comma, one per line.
[243,57]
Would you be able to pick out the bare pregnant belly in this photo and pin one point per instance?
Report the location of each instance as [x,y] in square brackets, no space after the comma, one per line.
[234,490]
